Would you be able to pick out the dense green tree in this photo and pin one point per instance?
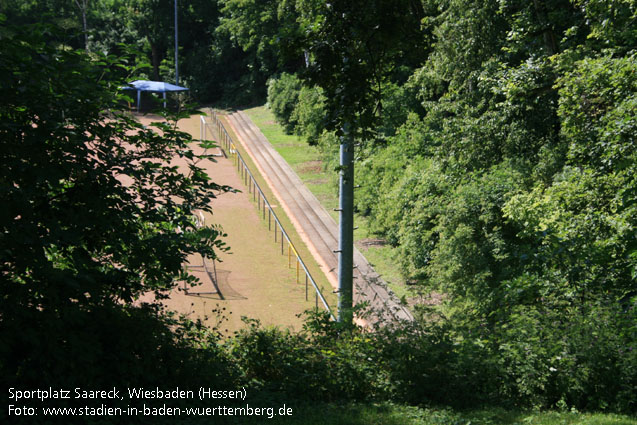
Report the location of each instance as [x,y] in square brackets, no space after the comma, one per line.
[353,54]
[283,96]
[309,114]
[154,21]
[265,30]
[492,100]
[93,216]
[580,226]
[64,14]
[512,191]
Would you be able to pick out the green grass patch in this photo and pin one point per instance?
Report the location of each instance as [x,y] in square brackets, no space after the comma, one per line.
[306,161]
[392,414]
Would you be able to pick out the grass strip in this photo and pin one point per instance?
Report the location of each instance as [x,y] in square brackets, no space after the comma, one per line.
[394,414]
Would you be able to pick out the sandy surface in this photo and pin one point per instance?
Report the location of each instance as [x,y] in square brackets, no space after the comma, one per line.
[253,276]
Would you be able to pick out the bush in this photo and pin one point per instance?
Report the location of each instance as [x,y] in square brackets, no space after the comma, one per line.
[539,357]
[309,114]
[324,362]
[104,347]
[283,94]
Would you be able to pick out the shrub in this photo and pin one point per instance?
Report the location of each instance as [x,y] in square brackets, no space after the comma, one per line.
[283,94]
[309,114]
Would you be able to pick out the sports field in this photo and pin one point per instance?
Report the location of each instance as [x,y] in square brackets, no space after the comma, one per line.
[253,278]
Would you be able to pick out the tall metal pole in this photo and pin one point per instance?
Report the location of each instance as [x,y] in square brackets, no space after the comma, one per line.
[346,228]
[176,48]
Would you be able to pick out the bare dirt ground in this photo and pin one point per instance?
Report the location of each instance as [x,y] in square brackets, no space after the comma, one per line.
[253,278]
[370,242]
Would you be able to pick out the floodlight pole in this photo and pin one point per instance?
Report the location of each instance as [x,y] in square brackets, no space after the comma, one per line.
[176,48]
[346,227]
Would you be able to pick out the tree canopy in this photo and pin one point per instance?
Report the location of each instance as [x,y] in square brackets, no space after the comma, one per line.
[93,216]
[500,167]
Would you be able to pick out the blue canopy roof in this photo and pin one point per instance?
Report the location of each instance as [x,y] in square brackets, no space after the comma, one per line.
[152,86]
[155,86]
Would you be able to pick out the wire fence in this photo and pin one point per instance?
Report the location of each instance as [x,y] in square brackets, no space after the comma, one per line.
[219,132]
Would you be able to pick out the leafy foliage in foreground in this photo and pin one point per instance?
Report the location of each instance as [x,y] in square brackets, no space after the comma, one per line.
[93,215]
[534,360]
[92,206]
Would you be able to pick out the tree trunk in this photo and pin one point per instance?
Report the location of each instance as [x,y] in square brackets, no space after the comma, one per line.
[550,41]
[83,6]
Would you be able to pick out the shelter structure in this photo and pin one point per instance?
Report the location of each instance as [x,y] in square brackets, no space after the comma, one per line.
[153,87]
